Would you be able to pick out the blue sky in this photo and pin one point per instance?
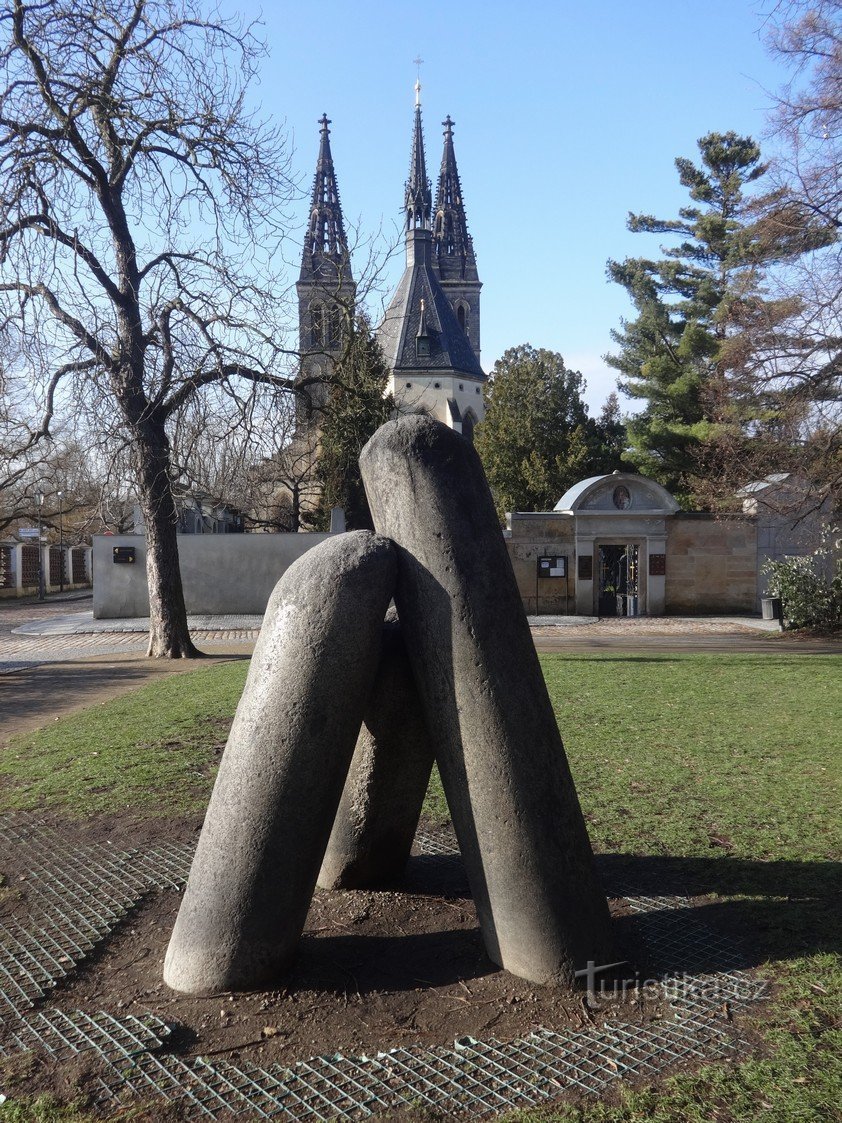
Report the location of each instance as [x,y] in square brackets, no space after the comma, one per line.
[567,118]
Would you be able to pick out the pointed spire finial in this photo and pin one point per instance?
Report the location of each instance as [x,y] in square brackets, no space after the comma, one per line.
[418,61]
[454,251]
[418,199]
[325,240]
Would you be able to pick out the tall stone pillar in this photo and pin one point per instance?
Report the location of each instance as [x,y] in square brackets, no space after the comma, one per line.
[587,572]
[381,803]
[654,574]
[517,818]
[283,769]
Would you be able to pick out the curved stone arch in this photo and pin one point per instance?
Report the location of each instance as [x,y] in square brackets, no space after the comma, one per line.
[596,493]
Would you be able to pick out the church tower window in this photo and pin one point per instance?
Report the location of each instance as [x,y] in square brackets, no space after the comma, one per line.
[317,326]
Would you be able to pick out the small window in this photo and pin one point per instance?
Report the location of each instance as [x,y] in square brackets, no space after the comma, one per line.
[422,346]
[409,385]
[317,326]
[437,385]
[460,316]
[334,328]
[461,385]
[478,390]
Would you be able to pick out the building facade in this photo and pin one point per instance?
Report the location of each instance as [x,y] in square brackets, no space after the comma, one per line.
[430,333]
[325,287]
[618,545]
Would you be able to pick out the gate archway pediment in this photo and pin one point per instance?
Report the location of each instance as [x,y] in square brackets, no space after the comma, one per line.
[623,493]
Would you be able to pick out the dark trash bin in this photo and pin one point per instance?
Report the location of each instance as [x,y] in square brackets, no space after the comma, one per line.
[771,608]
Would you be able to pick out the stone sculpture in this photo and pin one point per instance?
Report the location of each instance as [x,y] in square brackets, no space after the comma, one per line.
[381,804]
[467,690]
[282,772]
[511,796]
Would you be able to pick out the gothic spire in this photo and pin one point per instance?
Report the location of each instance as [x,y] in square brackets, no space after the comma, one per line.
[325,243]
[418,198]
[454,249]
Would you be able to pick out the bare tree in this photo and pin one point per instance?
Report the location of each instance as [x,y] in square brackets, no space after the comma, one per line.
[807,36]
[261,463]
[796,359]
[777,397]
[140,202]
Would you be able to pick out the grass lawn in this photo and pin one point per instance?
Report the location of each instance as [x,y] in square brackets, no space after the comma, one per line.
[725,769]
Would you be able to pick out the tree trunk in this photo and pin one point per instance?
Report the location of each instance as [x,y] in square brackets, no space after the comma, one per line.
[169,637]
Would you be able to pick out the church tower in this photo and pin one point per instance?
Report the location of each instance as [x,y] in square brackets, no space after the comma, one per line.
[453,247]
[434,366]
[325,286]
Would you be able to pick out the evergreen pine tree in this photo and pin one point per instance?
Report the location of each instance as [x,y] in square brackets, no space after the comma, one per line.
[672,355]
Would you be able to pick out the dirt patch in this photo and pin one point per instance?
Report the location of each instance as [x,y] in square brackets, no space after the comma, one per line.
[375,970]
[405,966]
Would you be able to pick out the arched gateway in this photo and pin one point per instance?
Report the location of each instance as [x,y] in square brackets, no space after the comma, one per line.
[620,540]
[618,545]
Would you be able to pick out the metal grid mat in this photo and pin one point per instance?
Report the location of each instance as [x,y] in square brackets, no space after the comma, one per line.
[77,896]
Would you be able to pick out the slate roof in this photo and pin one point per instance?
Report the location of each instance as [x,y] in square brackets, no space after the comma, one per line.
[450,348]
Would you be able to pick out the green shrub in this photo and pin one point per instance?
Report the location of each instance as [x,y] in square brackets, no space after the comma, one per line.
[810,587]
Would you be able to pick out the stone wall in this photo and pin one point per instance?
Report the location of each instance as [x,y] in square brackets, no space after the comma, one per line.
[711,563]
[541,535]
[222,574]
[66,568]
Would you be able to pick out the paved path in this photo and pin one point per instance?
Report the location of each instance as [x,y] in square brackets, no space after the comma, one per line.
[63,630]
[83,624]
[54,657]
[677,634]
[47,671]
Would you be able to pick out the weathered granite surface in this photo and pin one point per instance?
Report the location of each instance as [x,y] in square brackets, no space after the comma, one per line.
[381,804]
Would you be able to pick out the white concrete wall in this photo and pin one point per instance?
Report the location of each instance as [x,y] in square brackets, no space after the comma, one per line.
[222,574]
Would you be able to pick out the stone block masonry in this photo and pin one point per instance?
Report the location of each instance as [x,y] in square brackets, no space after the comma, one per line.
[711,564]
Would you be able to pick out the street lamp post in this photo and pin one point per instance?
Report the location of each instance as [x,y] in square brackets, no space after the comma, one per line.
[39,498]
[60,542]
